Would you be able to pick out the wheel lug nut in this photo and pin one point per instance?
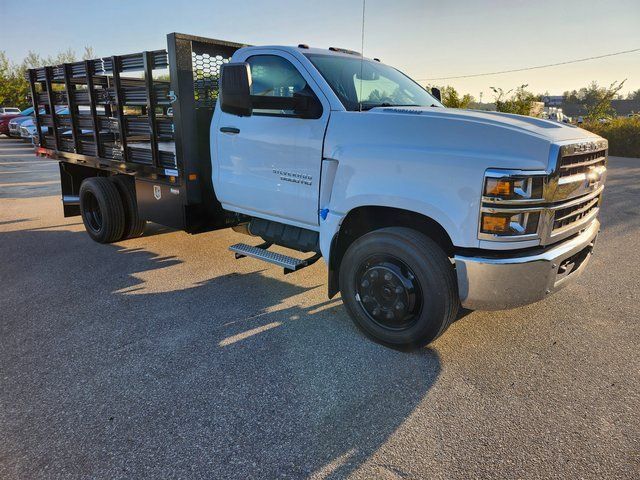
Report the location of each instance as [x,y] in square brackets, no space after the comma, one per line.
[387,276]
[398,289]
[366,299]
[389,315]
[399,306]
[373,275]
[376,311]
[365,284]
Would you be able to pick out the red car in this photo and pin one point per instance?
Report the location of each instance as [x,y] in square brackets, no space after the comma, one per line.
[4,119]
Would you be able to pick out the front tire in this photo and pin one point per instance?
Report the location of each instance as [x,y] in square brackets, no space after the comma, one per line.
[399,287]
[101,209]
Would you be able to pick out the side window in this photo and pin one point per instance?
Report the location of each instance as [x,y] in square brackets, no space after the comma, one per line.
[275,78]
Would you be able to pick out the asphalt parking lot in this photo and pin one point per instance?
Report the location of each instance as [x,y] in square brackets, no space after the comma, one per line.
[164,357]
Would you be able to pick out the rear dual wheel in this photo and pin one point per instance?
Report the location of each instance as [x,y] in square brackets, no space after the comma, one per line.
[101,209]
[133,224]
[399,287]
[109,210]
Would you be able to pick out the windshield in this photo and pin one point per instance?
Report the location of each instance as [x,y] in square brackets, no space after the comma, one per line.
[362,85]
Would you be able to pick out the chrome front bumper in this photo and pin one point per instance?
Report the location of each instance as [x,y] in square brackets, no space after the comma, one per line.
[488,283]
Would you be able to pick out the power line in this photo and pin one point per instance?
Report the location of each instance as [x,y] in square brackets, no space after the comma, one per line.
[532,68]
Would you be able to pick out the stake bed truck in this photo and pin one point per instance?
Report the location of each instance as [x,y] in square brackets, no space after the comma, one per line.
[417,209]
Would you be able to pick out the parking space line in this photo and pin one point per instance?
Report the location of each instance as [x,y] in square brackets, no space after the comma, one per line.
[31,162]
[27,184]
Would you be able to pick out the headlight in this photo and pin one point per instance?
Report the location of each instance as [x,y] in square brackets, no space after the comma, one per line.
[500,185]
[510,207]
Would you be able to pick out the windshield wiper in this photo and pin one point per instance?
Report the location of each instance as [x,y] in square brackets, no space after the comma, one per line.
[387,104]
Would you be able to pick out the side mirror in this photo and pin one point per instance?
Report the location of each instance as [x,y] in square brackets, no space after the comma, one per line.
[436,93]
[235,89]
[307,104]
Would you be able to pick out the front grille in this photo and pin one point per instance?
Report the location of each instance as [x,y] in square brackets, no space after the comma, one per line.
[582,163]
[568,216]
[582,158]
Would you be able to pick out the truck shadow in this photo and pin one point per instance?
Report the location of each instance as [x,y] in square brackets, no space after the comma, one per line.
[237,376]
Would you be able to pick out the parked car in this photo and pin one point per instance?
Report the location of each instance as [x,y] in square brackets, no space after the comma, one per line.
[29,129]
[9,110]
[16,121]
[5,118]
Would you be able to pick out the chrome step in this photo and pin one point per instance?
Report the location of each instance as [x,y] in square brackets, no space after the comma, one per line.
[290,264]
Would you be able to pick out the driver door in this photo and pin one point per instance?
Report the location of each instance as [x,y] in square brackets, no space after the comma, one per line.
[268,164]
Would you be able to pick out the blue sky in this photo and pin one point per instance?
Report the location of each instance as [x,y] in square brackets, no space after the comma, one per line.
[425,39]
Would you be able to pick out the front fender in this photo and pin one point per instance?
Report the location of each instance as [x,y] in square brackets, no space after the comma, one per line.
[432,165]
[330,226]
[454,208]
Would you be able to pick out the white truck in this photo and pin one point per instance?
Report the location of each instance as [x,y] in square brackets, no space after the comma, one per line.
[416,209]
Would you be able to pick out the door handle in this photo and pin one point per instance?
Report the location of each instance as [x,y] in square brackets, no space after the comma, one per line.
[232,130]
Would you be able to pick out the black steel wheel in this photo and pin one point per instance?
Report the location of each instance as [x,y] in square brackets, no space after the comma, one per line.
[399,287]
[101,209]
[388,291]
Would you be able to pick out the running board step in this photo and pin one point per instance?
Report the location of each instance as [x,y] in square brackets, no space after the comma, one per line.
[290,264]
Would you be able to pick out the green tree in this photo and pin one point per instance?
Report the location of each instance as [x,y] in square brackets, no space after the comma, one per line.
[451,98]
[14,87]
[520,101]
[597,100]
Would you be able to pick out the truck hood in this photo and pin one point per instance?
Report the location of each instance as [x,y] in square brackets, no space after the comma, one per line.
[546,129]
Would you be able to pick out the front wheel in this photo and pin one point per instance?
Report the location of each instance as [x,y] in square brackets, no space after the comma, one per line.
[399,287]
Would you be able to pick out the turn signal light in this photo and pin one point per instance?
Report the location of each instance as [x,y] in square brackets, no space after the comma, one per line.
[495,224]
[509,224]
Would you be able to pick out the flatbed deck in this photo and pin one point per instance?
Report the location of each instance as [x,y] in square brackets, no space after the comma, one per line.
[144,114]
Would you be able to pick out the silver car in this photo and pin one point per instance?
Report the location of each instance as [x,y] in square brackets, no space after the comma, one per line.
[28,130]
[9,110]
[14,125]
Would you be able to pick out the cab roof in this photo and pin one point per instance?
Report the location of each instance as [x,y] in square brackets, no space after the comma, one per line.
[339,52]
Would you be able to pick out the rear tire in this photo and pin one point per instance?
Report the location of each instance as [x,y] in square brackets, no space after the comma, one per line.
[399,287]
[133,224]
[101,209]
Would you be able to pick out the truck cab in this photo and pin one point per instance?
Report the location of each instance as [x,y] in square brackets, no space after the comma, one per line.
[506,204]
[417,209]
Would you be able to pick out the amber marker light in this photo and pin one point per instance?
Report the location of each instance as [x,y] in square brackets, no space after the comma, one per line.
[495,223]
[497,187]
